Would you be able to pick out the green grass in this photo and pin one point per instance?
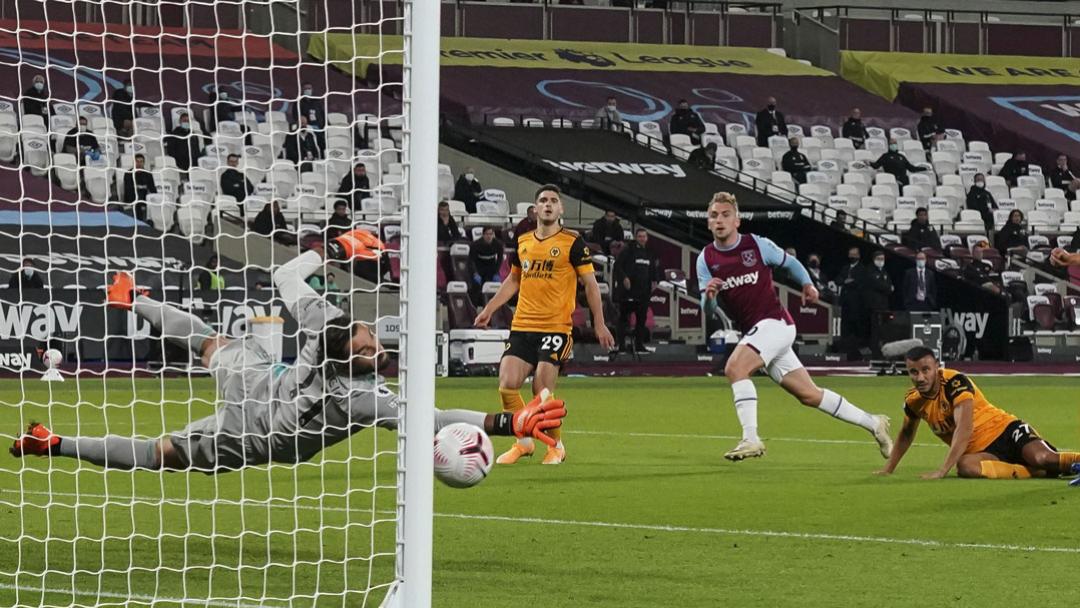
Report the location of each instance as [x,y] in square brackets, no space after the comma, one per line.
[644,513]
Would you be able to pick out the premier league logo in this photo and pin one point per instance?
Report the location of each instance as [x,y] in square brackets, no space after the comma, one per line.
[749,258]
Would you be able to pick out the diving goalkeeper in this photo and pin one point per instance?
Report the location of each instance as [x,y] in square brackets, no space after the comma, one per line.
[262,416]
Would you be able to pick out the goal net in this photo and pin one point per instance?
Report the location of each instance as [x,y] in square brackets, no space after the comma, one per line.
[207,149]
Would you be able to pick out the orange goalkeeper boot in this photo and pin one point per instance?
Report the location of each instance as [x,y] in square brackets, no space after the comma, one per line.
[38,441]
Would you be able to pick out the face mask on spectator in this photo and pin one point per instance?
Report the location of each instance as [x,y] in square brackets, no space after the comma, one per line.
[185,125]
[920,264]
[129,88]
[307,91]
[980,183]
[469,177]
[879,263]
[28,271]
[893,148]
[39,86]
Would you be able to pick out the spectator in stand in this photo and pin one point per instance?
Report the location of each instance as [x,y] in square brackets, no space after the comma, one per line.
[355,186]
[895,163]
[311,107]
[80,141]
[27,277]
[921,234]
[468,190]
[769,122]
[1014,167]
[302,146]
[182,144]
[123,109]
[979,272]
[929,129]
[687,122]
[855,130]
[486,254]
[271,222]
[703,158]
[1075,243]
[1062,177]
[606,230]
[795,162]
[608,117]
[527,223]
[138,183]
[636,271]
[210,277]
[223,109]
[448,231]
[920,287]
[36,99]
[982,200]
[339,221]
[813,267]
[850,282]
[1012,235]
[841,221]
[234,182]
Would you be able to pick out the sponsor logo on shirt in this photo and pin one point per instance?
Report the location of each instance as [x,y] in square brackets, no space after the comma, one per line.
[750,278]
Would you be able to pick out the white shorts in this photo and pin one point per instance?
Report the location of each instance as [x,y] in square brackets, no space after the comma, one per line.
[772,339]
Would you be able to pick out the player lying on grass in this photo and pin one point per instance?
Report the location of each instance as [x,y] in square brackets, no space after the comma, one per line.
[983,440]
[735,271]
[266,414]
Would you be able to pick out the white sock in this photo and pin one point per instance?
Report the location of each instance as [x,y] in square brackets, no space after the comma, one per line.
[745,394]
[838,407]
[525,442]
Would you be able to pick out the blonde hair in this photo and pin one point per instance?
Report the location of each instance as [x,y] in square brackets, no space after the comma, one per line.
[724,197]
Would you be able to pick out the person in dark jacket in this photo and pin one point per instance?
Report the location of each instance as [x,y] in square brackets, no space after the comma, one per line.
[606,230]
[183,144]
[234,183]
[1063,178]
[138,183]
[636,272]
[302,146]
[79,141]
[1012,234]
[921,233]
[980,199]
[979,272]
[920,287]
[468,190]
[355,186]
[210,276]
[311,107]
[795,162]
[817,274]
[929,129]
[687,122]
[35,99]
[855,130]
[704,157]
[486,254]
[339,221]
[769,122]
[850,282]
[1014,168]
[271,222]
[448,231]
[895,163]
[27,277]
[222,109]
[877,291]
[123,108]
[527,224]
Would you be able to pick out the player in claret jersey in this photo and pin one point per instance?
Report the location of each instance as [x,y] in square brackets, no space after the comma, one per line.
[735,271]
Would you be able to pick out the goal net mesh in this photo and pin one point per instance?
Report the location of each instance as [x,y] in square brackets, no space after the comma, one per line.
[201,217]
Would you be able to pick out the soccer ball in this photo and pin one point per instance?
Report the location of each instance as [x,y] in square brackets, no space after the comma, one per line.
[463,455]
[52,358]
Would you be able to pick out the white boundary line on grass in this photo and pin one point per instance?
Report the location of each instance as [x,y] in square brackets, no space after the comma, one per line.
[766,438]
[132,596]
[851,538]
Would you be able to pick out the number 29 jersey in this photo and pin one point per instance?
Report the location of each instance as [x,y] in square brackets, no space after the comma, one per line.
[548,269]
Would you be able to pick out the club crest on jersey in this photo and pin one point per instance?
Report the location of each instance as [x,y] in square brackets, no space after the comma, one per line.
[749,258]
[525,264]
[555,252]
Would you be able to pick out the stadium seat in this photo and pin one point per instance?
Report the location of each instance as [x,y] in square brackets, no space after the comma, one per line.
[940,218]
[160,211]
[503,316]
[899,133]
[66,169]
[502,121]
[732,131]
[562,123]
[535,123]
[461,263]
[191,219]
[795,131]
[970,222]
[681,145]
[97,183]
[651,129]
[460,306]
[872,216]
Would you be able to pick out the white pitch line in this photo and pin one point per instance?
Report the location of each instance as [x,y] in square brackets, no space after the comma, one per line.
[133,596]
[698,436]
[851,538]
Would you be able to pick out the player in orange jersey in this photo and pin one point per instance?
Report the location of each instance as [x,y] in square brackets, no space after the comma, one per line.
[983,441]
[544,273]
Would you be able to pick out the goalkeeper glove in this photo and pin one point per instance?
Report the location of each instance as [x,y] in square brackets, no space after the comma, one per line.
[539,416]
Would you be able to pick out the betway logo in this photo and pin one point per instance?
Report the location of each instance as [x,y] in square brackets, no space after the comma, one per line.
[16,361]
[673,170]
[749,278]
[39,322]
[970,322]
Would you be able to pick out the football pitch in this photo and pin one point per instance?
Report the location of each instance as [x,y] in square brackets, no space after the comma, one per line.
[644,513]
